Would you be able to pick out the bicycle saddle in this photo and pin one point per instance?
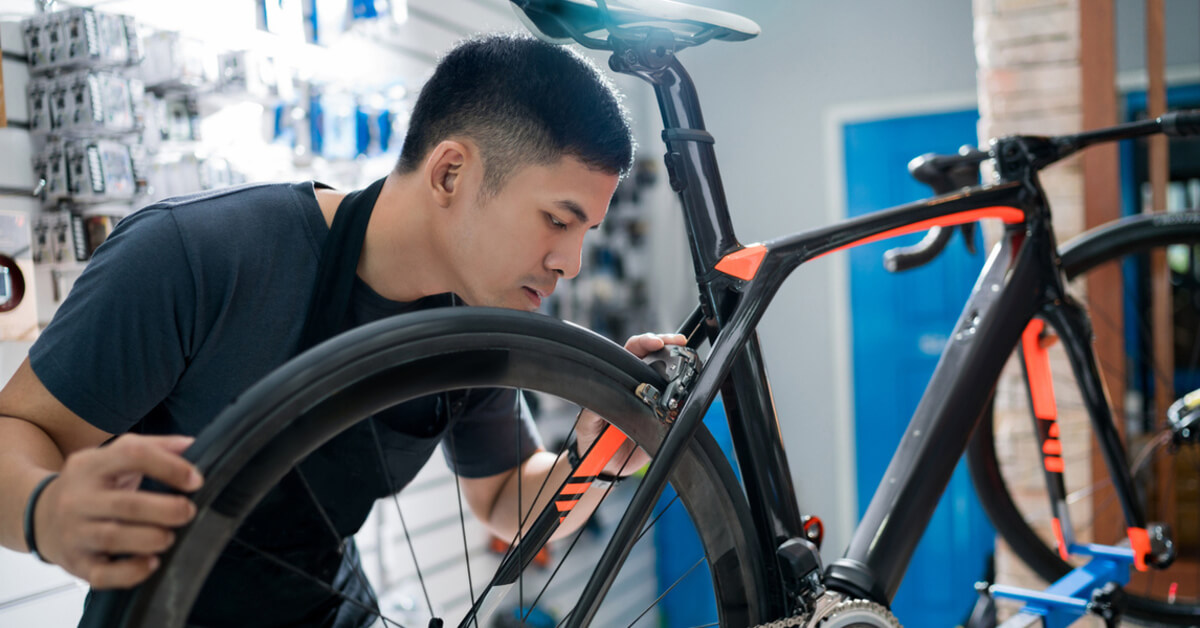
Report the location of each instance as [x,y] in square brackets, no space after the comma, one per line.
[589,23]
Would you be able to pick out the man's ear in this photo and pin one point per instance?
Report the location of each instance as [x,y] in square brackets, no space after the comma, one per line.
[444,170]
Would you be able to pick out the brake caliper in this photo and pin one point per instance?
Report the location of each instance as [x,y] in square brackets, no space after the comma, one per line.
[1184,418]
[679,366]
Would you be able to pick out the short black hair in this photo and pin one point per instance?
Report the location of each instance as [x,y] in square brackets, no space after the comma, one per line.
[523,101]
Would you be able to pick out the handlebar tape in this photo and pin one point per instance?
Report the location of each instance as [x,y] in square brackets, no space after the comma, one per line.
[1181,123]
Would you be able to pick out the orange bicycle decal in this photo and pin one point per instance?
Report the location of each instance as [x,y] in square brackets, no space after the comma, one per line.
[602,451]
[743,263]
[1139,540]
[1010,215]
[1037,364]
[1041,389]
[1062,541]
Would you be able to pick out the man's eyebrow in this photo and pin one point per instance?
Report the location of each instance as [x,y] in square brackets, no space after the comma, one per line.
[574,208]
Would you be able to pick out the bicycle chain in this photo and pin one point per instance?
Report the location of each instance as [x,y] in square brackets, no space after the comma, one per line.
[829,607]
[784,623]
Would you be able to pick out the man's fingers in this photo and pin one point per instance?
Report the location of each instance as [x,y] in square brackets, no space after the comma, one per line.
[155,456]
[139,507]
[111,537]
[645,344]
[120,574]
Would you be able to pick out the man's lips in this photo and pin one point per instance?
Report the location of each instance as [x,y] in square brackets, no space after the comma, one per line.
[535,295]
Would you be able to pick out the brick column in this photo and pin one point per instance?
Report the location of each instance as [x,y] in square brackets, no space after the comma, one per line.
[1030,82]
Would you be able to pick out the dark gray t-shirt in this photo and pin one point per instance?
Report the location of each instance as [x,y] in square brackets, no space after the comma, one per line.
[194,299]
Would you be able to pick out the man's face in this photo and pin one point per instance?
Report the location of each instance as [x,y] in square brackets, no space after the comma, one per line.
[511,248]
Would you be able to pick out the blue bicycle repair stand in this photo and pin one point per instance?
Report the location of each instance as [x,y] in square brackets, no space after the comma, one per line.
[1069,599]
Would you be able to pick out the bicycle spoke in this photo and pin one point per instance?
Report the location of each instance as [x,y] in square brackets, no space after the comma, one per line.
[403,524]
[279,562]
[355,568]
[463,527]
[545,480]
[1160,377]
[521,520]
[669,589]
[574,541]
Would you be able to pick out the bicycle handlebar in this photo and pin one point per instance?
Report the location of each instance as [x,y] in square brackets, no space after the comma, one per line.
[943,173]
[947,173]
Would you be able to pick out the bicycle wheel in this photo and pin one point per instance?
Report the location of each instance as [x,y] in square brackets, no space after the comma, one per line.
[1004,457]
[304,403]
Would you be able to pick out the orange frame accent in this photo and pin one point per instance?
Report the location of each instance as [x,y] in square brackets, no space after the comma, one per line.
[1010,216]
[1060,539]
[743,263]
[1037,365]
[603,451]
[1139,540]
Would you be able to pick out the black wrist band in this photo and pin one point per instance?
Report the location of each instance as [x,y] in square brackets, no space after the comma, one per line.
[602,479]
[30,537]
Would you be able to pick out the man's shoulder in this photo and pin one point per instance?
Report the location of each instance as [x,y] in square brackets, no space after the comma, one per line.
[259,197]
[251,213]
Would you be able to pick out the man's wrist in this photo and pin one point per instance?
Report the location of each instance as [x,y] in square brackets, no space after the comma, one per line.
[30,511]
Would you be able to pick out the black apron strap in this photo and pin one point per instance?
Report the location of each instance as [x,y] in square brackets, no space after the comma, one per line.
[329,309]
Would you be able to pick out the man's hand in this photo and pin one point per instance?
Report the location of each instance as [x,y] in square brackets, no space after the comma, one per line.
[628,458]
[93,511]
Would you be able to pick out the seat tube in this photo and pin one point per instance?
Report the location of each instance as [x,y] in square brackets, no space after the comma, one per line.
[691,159]
[758,443]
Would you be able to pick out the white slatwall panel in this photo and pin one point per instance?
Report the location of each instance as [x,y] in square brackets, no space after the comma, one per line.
[32,594]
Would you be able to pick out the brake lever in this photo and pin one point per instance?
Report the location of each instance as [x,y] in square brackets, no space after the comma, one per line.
[968,234]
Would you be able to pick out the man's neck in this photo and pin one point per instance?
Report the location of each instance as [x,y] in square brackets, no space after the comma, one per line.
[401,258]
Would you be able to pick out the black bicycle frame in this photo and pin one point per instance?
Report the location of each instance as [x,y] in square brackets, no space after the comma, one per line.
[1020,280]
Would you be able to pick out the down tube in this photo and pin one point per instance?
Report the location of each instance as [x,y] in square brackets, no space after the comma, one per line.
[989,327]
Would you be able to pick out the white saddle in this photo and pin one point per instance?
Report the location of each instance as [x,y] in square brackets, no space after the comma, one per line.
[564,21]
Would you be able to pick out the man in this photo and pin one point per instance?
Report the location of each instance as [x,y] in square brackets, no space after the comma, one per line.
[515,148]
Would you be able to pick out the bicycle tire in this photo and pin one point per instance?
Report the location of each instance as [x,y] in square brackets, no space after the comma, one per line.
[256,440]
[1110,243]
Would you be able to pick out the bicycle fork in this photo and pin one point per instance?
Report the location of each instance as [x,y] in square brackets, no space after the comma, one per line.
[1069,320]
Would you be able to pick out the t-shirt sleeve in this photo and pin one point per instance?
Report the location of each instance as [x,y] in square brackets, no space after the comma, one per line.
[119,342]
[494,433]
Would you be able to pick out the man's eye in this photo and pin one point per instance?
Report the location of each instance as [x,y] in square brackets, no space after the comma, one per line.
[556,222]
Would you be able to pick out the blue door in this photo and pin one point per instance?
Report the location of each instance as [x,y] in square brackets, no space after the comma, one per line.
[900,325]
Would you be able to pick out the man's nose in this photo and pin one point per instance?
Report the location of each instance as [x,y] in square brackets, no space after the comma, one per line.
[567,259]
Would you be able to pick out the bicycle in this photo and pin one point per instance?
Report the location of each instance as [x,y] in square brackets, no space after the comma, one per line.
[758,548]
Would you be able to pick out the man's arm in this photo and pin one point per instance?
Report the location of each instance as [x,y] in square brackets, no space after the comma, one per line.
[91,511]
